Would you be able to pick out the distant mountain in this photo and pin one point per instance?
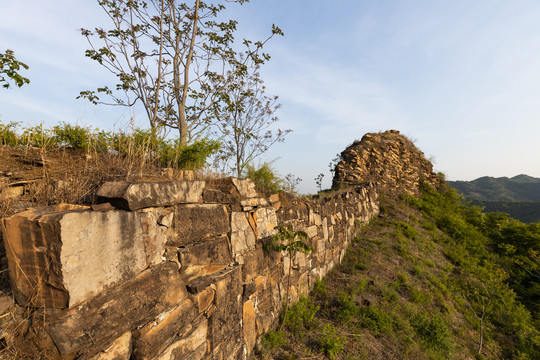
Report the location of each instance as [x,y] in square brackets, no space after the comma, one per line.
[518,188]
[518,196]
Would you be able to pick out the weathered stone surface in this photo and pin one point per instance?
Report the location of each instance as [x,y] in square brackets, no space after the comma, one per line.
[249,204]
[388,159]
[206,257]
[252,264]
[311,231]
[224,322]
[246,188]
[222,191]
[266,220]
[127,306]
[192,223]
[60,257]
[156,336]
[242,235]
[191,347]
[120,349]
[133,196]
[248,323]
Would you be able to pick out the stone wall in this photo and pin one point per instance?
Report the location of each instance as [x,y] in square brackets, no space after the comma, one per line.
[171,270]
[387,159]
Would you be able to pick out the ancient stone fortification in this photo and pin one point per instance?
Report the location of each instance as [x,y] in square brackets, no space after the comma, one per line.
[172,270]
[389,160]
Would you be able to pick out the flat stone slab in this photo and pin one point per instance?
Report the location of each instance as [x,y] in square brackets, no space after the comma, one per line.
[138,195]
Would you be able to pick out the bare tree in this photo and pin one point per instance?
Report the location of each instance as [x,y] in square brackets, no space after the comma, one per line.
[246,120]
[171,57]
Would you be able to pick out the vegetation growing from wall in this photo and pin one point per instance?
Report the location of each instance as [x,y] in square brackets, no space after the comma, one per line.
[431,278]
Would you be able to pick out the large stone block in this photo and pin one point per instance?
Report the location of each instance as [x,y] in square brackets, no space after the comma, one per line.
[191,347]
[242,233]
[206,257]
[246,187]
[159,334]
[248,325]
[224,325]
[59,257]
[120,349]
[229,191]
[192,223]
[266,220]
[128,306]
[132,196]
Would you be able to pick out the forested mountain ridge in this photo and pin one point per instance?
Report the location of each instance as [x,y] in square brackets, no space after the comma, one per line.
[518,196]
[518,188]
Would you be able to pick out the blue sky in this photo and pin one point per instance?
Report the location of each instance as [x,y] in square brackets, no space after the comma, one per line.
[460,77]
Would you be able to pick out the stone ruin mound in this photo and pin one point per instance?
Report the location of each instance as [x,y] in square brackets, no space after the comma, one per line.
[387,159]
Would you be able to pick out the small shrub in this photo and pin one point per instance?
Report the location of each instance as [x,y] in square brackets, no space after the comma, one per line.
[376,320]
[417,296]
[433,331]
[264,177]
[360,266]
[417,271]
[390,294]
[360,287]
[39,137]
[407,230]
[319,289]
[75,137]
[428,225]
[194,156]
[273,339]
[331,342]
[301,316]
[402,278]
[347,308]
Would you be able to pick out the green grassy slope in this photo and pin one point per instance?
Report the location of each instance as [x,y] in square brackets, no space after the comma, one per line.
[429,279]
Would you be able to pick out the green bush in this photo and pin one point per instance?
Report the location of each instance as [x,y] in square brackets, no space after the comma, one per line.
[407,230]
[301,316]
[75,137]
[376,320]
[273,339]
[264,177]
[433,331]
[195,156]
[331,342]
[319,288]
[346,308]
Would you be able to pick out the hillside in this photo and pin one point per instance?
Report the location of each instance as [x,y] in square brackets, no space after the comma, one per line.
[518,196]
[518,188]
[425,280]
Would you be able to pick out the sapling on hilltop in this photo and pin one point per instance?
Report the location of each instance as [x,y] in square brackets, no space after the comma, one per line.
[290,241]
